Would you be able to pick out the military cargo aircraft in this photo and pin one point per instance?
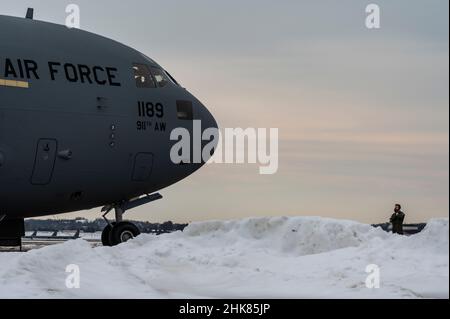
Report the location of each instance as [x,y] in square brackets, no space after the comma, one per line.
[85,122]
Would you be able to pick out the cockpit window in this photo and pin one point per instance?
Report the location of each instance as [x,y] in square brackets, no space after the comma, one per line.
[160,77]
[184,110]
[143,77]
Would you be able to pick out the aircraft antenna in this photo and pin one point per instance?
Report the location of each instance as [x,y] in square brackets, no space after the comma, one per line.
[30,13]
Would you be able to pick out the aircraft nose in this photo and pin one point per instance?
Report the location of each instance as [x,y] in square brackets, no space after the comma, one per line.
[209,131]
[203,127]
[208,120]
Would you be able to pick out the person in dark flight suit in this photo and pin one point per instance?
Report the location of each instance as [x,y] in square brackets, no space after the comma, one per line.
[397,220]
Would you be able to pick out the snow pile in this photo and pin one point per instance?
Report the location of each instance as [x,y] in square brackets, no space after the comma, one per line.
[435,237]
[297,236]
[282,257]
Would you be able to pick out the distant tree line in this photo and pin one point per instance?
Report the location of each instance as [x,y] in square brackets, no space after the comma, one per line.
[96,225]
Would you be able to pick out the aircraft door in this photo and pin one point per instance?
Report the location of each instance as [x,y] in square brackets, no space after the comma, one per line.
[143,165]
[44,162]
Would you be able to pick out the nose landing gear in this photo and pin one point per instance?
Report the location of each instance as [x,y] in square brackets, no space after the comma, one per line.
[121,231]
[117,233]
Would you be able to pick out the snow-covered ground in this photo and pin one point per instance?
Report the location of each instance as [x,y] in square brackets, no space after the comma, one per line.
[281,257]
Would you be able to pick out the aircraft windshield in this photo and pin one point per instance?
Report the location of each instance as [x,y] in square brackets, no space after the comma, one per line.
[143,76]
[160,77]
[151,77]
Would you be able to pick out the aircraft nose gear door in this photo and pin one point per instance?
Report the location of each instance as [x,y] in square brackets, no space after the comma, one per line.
[143,164]
[44,162]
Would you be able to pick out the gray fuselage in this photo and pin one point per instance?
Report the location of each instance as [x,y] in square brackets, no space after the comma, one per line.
[77,128]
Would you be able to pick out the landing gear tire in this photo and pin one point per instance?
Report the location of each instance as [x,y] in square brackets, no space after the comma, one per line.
[122,232]
[106,233]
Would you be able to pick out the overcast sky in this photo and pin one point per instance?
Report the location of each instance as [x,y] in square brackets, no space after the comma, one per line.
[362,114]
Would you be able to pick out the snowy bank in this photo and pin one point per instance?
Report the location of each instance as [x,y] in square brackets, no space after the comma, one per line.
[280,257]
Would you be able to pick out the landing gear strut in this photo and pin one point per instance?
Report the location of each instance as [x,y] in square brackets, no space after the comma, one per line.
[121,231]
